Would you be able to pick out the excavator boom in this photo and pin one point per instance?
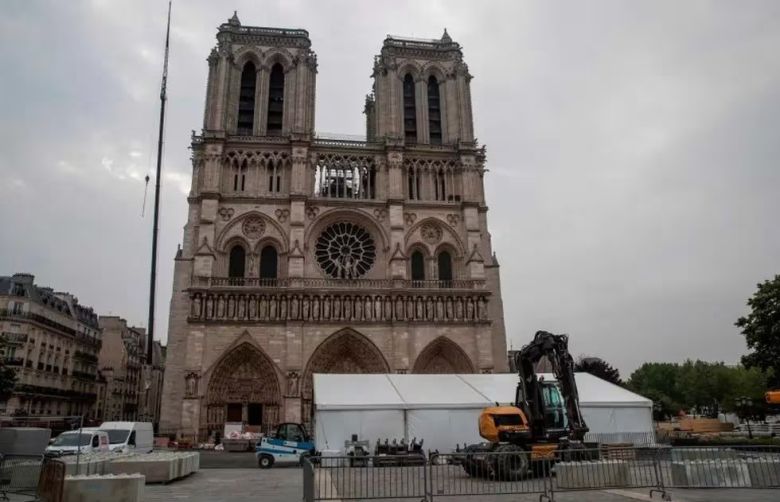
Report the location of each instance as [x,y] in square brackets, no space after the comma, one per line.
[530,398]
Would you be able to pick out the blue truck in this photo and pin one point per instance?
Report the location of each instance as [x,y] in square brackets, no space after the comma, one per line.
[288,445]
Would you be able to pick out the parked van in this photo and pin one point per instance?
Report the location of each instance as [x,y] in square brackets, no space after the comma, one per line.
[92,440]
[129,436]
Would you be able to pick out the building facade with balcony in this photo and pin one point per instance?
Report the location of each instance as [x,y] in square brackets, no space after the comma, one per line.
[120,364]
[52,341]
[307,253]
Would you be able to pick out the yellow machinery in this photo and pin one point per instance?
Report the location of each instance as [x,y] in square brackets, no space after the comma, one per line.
[545,418]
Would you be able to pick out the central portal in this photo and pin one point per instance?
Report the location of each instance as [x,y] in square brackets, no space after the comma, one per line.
[243,388]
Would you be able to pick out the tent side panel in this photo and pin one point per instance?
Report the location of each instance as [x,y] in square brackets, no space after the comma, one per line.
[334,427]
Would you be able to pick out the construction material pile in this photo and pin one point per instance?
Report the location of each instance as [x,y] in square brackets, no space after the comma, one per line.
[398,453]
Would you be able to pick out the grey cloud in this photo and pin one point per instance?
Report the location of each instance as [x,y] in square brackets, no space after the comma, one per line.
[632,151]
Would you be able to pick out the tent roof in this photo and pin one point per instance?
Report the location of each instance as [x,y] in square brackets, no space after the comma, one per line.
[390,391]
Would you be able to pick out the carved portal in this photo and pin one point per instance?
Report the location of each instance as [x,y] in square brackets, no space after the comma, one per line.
[343,352]
[245,375]
[443,356]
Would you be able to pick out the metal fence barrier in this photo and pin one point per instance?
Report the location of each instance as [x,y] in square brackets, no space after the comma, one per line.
[31,478]
[654,468]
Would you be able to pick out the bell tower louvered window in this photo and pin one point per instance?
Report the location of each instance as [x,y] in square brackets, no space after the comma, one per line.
[275,101]
[246,100]
[434,111]
[410,112]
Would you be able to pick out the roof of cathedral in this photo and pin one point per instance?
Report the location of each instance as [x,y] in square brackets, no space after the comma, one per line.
[234,27]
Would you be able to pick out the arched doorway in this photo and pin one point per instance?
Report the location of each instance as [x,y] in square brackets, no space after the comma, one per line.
[243,387]
[443,356]
[345,351]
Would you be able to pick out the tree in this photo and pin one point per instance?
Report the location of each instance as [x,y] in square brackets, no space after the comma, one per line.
[697,385]
[599,368]
[761,329]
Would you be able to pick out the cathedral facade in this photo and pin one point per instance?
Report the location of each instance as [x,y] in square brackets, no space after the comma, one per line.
[305,254]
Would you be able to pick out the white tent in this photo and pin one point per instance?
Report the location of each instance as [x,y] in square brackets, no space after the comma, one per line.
[443,409]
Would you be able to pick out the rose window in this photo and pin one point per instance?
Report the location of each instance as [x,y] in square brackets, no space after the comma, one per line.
[345,251]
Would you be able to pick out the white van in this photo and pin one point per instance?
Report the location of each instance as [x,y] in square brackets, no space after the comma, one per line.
[129,436]
[92,440]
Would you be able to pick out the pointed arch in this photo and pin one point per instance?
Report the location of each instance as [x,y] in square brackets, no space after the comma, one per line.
[269,262]
[345,351]
[410,109]
[275,100]
[434,112]
[243,383]
[246,99]
[237,261]
[444,266]
[443,355]
[233,229]
[449,236]
[417,265]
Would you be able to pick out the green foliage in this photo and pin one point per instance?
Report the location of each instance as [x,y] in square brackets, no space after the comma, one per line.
[699,385]
[761,329]
[600,368]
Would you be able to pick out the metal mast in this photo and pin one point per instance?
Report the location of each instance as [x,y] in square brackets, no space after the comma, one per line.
[153,278]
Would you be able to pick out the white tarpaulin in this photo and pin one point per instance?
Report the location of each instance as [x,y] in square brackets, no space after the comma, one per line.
[443,409]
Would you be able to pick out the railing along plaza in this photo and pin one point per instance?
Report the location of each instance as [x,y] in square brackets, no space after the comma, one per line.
[464,474]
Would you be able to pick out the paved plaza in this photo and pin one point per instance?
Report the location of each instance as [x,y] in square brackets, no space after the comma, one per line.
[284,484]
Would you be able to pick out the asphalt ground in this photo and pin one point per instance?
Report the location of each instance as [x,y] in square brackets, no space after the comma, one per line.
[235,477]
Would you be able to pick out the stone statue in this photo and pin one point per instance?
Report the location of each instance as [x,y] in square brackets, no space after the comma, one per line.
[292,383]
[191,387]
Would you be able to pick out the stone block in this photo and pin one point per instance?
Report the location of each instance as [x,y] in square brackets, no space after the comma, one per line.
[764,472]
[596,474]
[120,488]
[728,473]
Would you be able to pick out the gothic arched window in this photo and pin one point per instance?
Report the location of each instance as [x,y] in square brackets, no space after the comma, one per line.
[269,263]
[239,177]
[410,113]
[434,111]
[445,266]
[418,266]
[275,100]
[246,100]
[237,261]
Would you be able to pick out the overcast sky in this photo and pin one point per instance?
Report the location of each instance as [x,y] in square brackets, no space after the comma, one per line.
[634,186]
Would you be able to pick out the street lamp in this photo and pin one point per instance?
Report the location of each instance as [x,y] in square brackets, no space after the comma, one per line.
[745,404]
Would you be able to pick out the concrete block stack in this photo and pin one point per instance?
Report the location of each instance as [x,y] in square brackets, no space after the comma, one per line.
[726,473]
[102,488]
[157,467]
[596,474]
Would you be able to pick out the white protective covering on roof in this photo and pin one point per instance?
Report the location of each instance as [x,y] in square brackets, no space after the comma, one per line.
[443,409]
[389,391]
[365,392]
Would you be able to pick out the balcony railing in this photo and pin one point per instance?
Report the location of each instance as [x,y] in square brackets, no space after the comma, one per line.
[84,375]
[85,356]
[14,338]
[53,391]
[51,324]
[14,361]
[325,283]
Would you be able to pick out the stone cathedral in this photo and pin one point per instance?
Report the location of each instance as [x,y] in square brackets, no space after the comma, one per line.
[309,254]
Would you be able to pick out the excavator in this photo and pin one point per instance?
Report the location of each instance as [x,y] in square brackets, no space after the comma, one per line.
[544,423]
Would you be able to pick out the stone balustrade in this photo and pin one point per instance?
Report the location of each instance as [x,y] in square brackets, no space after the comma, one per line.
[420,306]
